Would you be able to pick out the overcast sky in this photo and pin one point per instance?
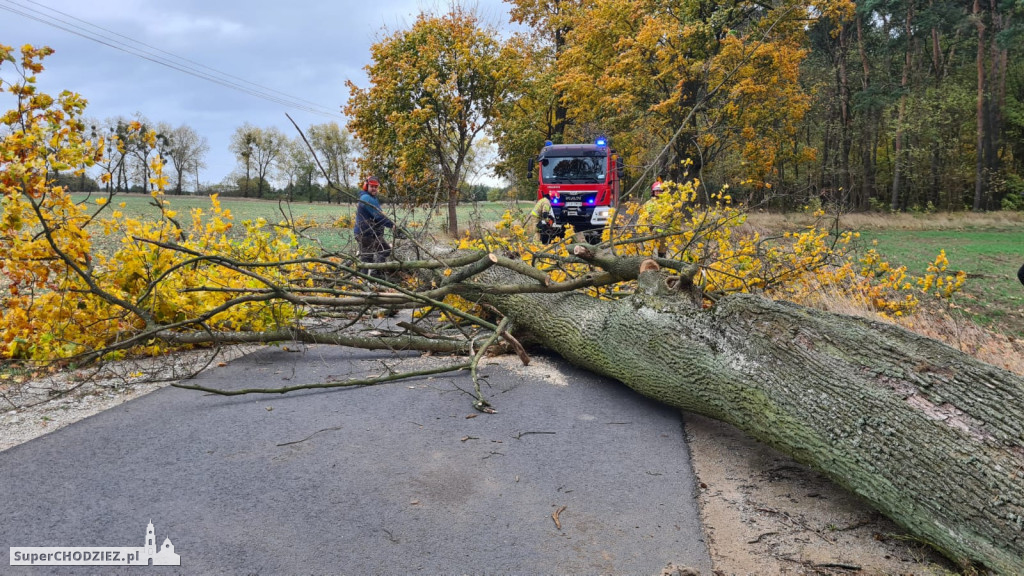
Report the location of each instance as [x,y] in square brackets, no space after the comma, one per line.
[300,51]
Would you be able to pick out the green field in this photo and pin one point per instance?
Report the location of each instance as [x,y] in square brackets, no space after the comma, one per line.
[140,206]
[991,257]
[324,215]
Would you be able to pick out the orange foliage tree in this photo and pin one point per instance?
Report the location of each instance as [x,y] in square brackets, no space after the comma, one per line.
[686,79]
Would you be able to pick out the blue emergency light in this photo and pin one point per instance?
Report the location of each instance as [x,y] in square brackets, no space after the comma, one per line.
[601,141]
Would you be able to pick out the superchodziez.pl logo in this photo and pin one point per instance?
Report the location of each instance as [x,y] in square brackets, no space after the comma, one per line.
[97,556]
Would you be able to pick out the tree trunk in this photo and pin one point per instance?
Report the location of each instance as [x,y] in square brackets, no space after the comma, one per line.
[827,173]
[979,160]
[867,143]
[928,435]
[939,70]
[898,145]
[453,211]
[845,115]
[557,132]
[995,101]
[245,192]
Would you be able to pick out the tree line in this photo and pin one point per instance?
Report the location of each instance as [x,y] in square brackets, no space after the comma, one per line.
[894,103]
[130,145]
[873,104]
[319,164]
[269,163]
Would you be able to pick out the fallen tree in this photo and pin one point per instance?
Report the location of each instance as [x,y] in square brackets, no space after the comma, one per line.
[928,435]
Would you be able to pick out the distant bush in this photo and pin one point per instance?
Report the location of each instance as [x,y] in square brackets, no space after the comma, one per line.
[76,183]
[1012,202]
[877,205]
[506,194]
[1014,199]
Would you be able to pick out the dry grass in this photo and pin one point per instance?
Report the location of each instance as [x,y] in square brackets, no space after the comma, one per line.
[771,221]
[951,328]
[937,320]
[934,319]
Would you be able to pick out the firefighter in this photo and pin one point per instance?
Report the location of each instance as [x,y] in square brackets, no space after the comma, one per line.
[656,187]
[545,219]
[370,225]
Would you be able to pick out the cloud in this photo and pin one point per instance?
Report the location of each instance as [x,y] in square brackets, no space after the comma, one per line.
[178,27]
[302,48]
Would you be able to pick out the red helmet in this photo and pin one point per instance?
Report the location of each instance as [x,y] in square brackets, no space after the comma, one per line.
[371,179]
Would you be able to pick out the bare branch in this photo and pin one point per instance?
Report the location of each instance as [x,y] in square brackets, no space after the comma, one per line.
[325,385]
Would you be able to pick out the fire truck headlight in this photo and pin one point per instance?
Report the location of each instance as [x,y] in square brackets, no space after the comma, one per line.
[600,217]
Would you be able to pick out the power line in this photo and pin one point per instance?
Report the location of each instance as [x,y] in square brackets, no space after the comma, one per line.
[175,56]
[153,55]
[257,90]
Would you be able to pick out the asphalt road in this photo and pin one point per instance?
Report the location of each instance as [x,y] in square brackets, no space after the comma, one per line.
[397,478]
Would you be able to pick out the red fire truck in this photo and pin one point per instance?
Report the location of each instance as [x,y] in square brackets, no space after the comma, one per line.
[583,183]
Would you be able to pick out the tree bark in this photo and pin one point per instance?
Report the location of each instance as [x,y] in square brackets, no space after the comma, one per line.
[928,435]
[994,104]
[557,133]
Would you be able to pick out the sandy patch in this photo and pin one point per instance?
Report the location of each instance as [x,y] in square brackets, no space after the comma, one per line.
[766,514]
[540,368]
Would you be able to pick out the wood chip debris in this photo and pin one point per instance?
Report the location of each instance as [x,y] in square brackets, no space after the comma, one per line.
[556,514]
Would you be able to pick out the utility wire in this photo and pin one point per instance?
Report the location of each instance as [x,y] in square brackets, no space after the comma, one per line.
[183,65]
[258,91]
[175,56]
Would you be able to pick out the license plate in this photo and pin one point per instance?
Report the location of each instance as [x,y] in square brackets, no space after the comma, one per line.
[573,204]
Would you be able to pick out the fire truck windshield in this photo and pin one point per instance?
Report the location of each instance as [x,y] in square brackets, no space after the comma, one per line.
[573,169]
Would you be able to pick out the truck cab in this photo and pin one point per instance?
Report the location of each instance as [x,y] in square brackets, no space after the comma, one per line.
[583,183]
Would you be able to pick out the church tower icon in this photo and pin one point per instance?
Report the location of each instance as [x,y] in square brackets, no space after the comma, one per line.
[150,541]
[165,556]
